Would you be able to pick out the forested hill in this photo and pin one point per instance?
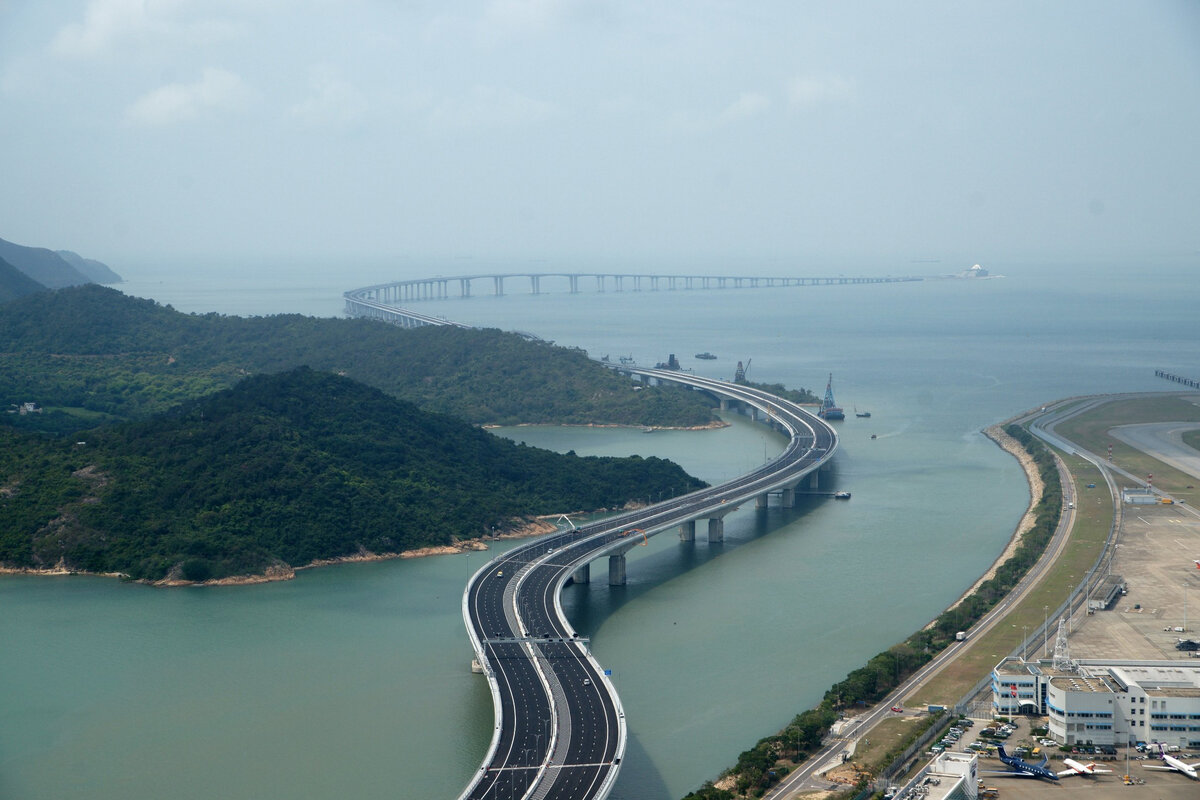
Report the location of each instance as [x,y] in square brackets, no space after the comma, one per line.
[14,283]
[281,470]
[90,350]
[54,269]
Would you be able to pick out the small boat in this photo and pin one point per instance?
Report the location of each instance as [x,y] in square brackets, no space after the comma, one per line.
[873,436]
[706,356]
[841,495]
[858,413]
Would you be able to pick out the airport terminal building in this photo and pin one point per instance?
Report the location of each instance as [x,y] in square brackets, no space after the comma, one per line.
[1105,702]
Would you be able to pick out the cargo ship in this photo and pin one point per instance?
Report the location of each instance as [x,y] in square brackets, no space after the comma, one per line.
[830,409]
[706,356]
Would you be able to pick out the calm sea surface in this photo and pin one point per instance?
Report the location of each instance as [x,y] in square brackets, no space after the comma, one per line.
[353,681]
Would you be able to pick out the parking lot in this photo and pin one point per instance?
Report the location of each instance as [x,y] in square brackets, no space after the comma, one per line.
[1156,785]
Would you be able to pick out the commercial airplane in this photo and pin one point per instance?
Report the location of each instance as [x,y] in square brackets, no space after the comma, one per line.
[1023,769]
[1173,764]
[1075,768]
[1197,560]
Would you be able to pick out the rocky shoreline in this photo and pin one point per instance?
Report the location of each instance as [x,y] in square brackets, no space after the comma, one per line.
[1036,488]
[285,572]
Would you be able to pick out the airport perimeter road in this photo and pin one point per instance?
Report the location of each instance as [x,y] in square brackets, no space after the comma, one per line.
[805,777]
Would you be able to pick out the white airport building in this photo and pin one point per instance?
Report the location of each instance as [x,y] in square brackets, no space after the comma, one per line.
[950,776]
[1104,702]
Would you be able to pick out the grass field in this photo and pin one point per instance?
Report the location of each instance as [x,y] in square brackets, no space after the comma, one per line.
[1090,430]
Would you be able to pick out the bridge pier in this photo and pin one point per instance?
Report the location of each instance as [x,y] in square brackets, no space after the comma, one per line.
[687,531]
[760,501]
[583,574]
[464,287]
[724,403]
[788,498]
[498,285]
[813,480]
[616,570]
[716,530]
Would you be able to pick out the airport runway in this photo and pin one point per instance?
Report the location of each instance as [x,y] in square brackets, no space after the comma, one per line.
[1164,441]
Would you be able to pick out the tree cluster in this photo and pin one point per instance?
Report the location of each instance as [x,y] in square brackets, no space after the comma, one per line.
[286,469]
[92,350]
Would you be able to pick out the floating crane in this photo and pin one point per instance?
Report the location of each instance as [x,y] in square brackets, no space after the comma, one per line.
[739,375]
[830,409]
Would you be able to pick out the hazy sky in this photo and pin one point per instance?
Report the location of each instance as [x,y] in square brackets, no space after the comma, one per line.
[602,131]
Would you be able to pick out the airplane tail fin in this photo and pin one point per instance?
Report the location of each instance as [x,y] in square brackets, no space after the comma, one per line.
[1000,750]
[1045,760]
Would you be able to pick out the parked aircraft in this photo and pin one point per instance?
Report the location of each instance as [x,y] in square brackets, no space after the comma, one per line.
[1023,769]
[1075,768]
[1173,764]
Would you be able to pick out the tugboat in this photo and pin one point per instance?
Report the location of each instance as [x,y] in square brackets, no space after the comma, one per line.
[829,409]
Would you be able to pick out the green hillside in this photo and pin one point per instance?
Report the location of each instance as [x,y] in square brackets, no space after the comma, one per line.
[14,283]
[281,470]
[44,266]
[90,353]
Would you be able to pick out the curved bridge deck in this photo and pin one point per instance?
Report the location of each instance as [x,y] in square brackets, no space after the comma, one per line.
[560,729]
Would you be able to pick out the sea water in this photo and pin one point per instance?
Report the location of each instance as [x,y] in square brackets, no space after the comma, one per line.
[353,680]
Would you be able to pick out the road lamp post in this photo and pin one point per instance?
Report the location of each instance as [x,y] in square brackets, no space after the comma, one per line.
[1045,631]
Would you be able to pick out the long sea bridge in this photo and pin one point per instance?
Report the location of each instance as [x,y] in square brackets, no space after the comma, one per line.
[380,301]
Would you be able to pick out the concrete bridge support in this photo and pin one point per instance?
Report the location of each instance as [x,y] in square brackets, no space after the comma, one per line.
[716,530]
[687,531]
[787,498]
[583,574]
[616,570]
[813,479]
[760,501]
[724,403]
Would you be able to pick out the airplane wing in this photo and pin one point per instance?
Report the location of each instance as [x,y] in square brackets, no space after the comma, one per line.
[1163,769]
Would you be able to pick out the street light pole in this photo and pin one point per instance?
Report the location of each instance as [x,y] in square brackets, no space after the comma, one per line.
[1045,631]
